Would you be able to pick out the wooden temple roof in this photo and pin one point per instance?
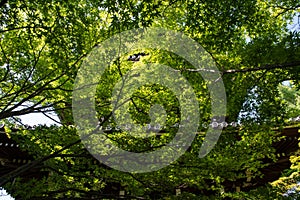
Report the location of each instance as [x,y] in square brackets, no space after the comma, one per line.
[12,157]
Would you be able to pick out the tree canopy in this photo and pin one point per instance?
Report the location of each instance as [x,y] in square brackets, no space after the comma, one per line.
[43,44]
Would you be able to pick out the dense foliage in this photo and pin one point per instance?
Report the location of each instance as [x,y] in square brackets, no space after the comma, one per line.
[43,44]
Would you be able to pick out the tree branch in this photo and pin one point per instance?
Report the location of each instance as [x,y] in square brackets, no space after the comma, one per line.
[17,172]
[266,67]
